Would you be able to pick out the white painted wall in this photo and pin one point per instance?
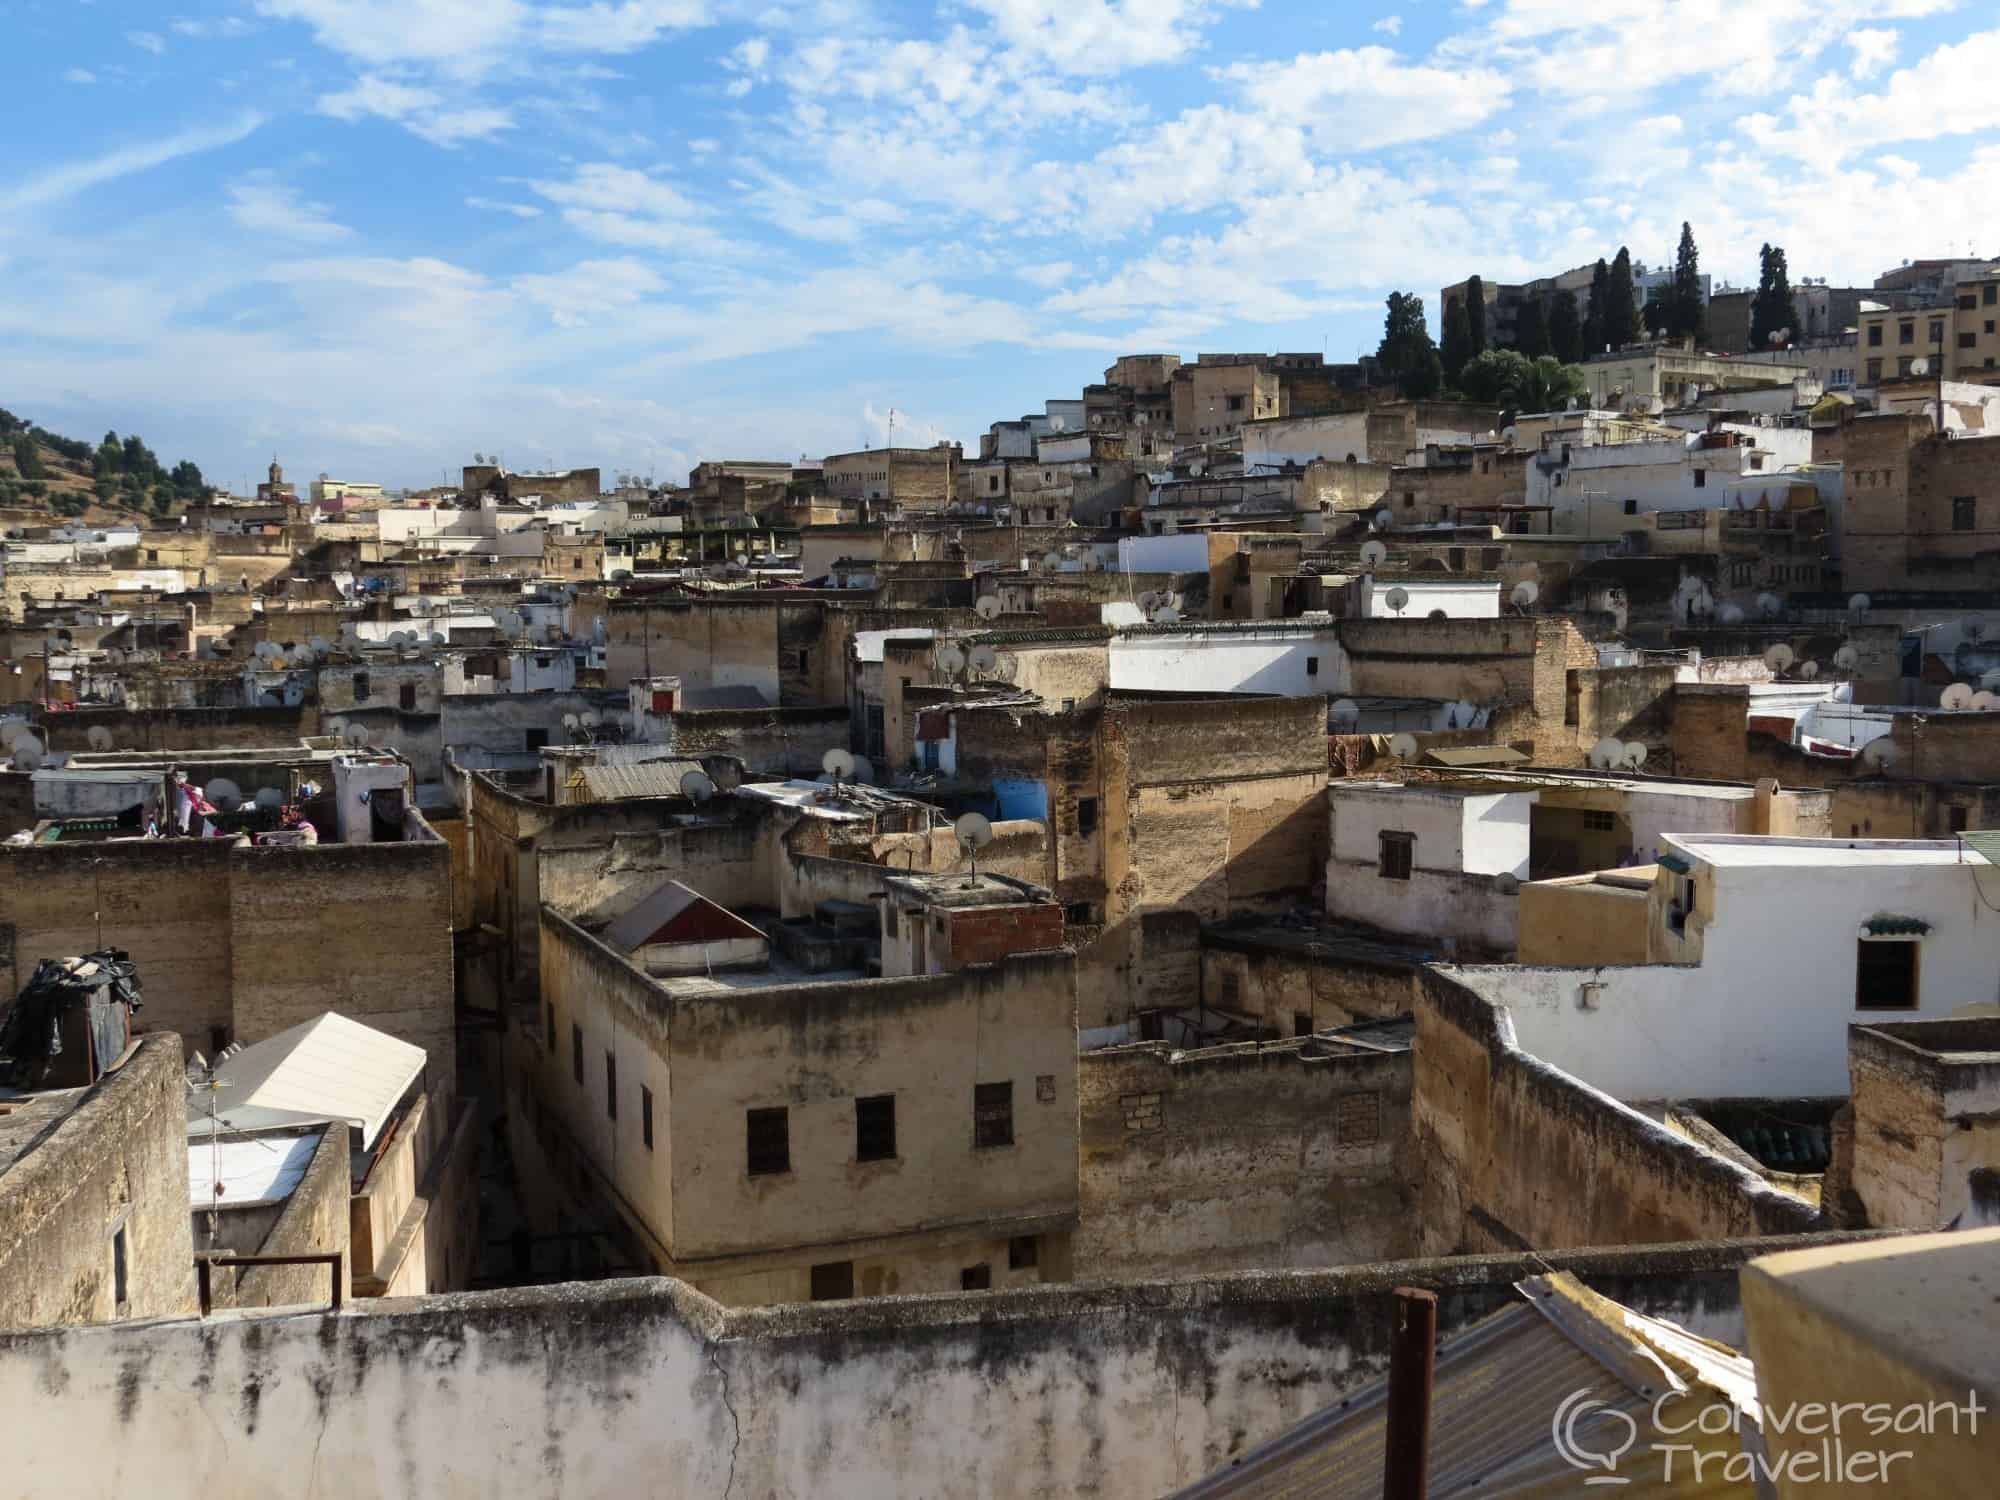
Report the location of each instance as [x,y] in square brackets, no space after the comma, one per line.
[1456,838]
[1192,662]
[1458,600]
[1766,1011]
[1304,440]
[1164,554]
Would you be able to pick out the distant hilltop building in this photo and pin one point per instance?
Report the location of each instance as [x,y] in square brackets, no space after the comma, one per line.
[276,487]
[492,479]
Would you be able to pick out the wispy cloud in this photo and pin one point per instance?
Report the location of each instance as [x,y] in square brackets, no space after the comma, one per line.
[498,206]
[79,75]
[264,206]
[66,181]
[147,41]
[421,111]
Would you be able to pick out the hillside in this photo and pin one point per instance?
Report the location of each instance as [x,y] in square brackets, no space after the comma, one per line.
[69,479]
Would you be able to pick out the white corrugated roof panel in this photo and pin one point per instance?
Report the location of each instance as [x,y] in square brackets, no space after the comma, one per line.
[328,1068]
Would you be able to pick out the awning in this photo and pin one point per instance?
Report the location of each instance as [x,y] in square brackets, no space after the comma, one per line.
[1891,926]
[1985,844]
[1477,755]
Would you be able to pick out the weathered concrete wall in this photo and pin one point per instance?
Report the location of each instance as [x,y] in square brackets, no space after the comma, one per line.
[1515,1152]
[184,728]
[1281,977]
[647,1387]
[1266,1156]
[1926,1102]
[248,940]
[114,1162]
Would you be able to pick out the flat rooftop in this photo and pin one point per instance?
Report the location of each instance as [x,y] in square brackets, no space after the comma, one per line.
[1754,851]
[968,890]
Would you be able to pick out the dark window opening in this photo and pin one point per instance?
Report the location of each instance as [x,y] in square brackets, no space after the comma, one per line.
[1078,914]
[1024,1252]
[576,1053]
[121,1273]
[1086,816]
[977,1278]
[534,739]
[770,1145]
[1631,507]
[1964,513]
[1600,822]
[360,686]
[1302,1023]
[875,1128]
[1701,479]
[1398,851]
[1885,974]
[1955,819]
[406,696]
[992,1115]
[833,1282]
[610,1086]
[549,1029]
[1312,666]
[646,1116]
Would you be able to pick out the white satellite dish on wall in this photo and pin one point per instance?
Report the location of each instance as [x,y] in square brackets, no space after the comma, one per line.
[1778,656]
[839,764]
[1397,599]
[1524,594]
[1373,553]
[1857,604]
[28,753]
[1880,753]
[950,660]
[1166,614]
[1381,520]
[1730,614]
[1846,659]
[1955,697]
[986,606]
[1634,756]
[269,798]
[99,737]
[1984,702]
[1344,712]
[982,660]
[1403,746]
[224,793]
[1606,753]
[974,832]
[696,786]
[1770,606]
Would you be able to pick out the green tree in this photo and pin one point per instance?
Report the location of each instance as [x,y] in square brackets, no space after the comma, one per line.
[1475,313]
[1493,377]
[1531,328]
[1594,336]
[187,480]
[1550,385]
[1565,328]
[27,457]
[1455,347]
[1771,309]
[1407,355]
[1684,308]
[110,456]
[1621,310]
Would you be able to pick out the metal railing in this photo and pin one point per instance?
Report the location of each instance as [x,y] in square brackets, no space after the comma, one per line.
[204,1268]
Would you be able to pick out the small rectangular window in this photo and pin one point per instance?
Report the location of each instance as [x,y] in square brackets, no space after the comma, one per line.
[833,1282]
[1302,1023]
[1598,821]
[610,1086]
[1397,855]
[1885,974]
[534,739]
[1964,513]
[1955,819]
[1968,340]
[1874,370]
[406,696]
[992,1115]
[977,1278]
[121,1272]
[770,1141]
[1874,335]
[1077,914]
[1906,333]
[1024,1252]
[1086,816]
[576,1053]
[1990,293]
[875,1128]
[1701,479]
[360,687]
[646,1116]
[1312,666]
[1632,507]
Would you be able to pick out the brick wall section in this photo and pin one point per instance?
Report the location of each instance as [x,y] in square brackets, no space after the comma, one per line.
[118,1156]
[984,935]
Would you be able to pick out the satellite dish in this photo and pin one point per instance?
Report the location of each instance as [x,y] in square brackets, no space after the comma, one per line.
[224,793]
[864,770]
[319,643]
[697,786]
[1381,520]
[99,737]
[1920,367]
[838,764]
[1846,659]
[570,721]
[1606,753]
[1374,552]
[270,798]
[1397,598]
[728,775]
[974,831]
[1858,604]
[1730,614]
[987,606]
[950,660]
[1984,702]
[1770,606]
[1880,754]
[1634,756]
[27,753]
[1808,670]
[1507,885]
[355,734]
[983,659]
[1524,593]
[1345,711]
[1403,746]
[1973,629]
[590,718]
[1051,560]
[1166,614]
[1955,697]
[1778,657]
[12,734]
[1150,601]
[114,657]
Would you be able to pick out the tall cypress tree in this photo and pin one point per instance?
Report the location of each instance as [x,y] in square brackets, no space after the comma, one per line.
[1475,313]
[1595,336]
[1771,308]
[1406,353]
[1531,328]
[1455,346]
[1565,328]
[1621,306]
[1684,309]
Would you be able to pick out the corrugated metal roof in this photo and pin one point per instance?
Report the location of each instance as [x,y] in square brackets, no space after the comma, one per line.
[1498,1391]
[328,1068]
[1478,755]
[652,778]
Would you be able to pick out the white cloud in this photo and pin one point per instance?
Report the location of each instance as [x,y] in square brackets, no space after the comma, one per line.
[1874,48]
[634,210]
[467,38]
[498,206]
[79,75]
[1049,274]
[1367,97]
[1949,92]
[218,27]
[1100,36]
[418,110]
[1389,26]
[590,289]
[58,183]
[272,209]
[147,41]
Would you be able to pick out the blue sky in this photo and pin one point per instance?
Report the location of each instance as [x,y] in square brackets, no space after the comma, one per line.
[375,235]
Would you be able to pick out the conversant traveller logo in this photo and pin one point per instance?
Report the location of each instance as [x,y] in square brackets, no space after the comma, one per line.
[1803,1442]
